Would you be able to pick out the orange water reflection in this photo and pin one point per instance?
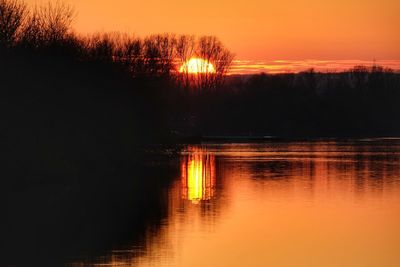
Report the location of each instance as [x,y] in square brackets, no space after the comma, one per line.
[198,175]
[300,204]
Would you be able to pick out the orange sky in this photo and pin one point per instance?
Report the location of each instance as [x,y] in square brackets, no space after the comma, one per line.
[259,29]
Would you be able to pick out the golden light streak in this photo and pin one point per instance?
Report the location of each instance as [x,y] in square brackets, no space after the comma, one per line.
[198,176]
[195,180]
[296,66]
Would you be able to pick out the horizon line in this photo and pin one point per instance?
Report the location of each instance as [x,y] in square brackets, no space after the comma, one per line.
[280,66]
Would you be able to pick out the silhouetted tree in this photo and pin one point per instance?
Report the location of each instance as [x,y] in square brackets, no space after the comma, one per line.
[211,50]
[12,17]
[185,48]
[48,25]
[100,48]
[56,19]
[159,54]
[130,55]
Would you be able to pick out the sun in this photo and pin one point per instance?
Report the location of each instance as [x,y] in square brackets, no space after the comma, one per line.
[196,66]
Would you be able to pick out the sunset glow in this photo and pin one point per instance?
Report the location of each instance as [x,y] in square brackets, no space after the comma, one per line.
[190,134]
[296,66]
[197,65]
[259,29]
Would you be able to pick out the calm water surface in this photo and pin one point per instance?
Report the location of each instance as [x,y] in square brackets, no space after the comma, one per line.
[276,204]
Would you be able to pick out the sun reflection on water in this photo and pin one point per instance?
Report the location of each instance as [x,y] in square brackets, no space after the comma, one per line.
[198,175]
[301,201]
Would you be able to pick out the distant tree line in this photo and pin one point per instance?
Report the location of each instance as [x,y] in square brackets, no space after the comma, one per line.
[363,101]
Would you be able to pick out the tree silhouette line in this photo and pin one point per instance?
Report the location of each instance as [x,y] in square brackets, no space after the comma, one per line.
[360,102]
[39,49]
[46,31]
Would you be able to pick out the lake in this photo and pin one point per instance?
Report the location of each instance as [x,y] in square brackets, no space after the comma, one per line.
[312,203]
[278,204]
